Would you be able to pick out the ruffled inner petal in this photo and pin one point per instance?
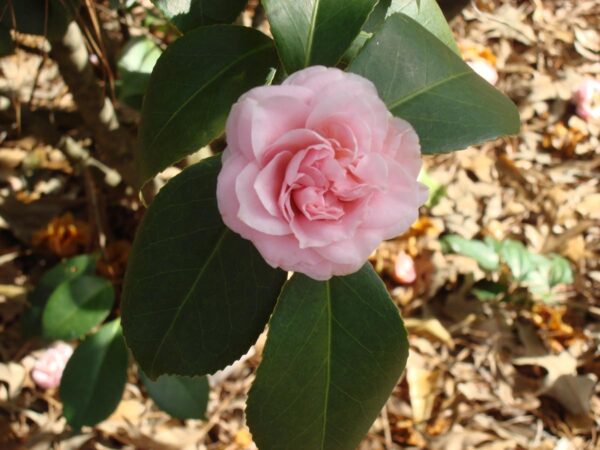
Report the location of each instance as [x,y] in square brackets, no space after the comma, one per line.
[269,180]
[251,211]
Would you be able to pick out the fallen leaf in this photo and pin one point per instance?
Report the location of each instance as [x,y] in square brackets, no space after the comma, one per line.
[432,327]
[562,382]
[12,377]
[422,387]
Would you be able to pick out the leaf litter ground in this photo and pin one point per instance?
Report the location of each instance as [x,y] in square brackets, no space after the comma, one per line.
[486,375]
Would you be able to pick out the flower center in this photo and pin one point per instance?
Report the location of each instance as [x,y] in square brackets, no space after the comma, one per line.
[321,183]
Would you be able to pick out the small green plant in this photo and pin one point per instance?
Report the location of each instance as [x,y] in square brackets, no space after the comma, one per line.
[509,266]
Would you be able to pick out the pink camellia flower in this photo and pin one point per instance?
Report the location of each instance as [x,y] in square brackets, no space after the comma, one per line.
[49,367]
[317,172]
[587,99]
[484,69]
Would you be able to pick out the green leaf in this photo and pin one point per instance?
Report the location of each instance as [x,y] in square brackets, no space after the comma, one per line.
[190,14]
[517,258]
[436,190]
[426,12]
[94,379]
[334,352]
[192,88]
[180,397]
[76,306]
[486,290]
[196,295]
[424,82]
[310,32]
[64,271]
[135,65]
[485,255]
[560,271]
[377,16]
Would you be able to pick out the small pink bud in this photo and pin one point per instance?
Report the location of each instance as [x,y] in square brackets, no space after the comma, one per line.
[587,99]
[404,268]
[485,70]
[48,369]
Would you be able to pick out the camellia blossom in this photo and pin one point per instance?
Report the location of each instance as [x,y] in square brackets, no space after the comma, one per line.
[317,172]
[49,367]
[587,99]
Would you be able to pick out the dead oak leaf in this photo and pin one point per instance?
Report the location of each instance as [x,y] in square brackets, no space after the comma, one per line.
[562,382]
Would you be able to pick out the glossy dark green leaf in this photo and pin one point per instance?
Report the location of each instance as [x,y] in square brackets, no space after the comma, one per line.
[426,12]
[424,82]
[310,32]
[181,397]
[334,352]
[196,295]
[190,14]
[192,88]
[93,381]
[76,306]
[485,255]
[377,16]
[67,270]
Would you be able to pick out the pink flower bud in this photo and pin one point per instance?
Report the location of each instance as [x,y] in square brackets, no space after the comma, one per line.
[404,268]
[587,99]
[48,369]
[485,70]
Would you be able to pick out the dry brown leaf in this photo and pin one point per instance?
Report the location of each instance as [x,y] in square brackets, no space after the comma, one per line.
[423,386]
[64,236]
[431,327]
[562,382]
[12,378]
[573,392]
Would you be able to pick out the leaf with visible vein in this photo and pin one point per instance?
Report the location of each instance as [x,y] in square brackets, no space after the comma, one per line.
[422,81]
[334,352]
[196,295]
[192,88]
[311,32]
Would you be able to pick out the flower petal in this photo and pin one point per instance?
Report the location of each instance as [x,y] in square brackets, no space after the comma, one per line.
[252,212]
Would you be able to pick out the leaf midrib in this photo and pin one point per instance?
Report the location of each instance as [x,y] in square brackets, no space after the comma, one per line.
[311,33]
[328,361]
[203,87]
[188,296]
[75,310]
[426,88]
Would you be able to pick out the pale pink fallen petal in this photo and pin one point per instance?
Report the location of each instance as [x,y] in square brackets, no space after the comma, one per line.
[48,368]
[404,268]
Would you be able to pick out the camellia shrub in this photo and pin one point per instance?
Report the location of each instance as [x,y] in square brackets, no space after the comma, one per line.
[326,125]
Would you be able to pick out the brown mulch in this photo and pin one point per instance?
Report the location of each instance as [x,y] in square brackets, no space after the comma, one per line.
[484,375]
